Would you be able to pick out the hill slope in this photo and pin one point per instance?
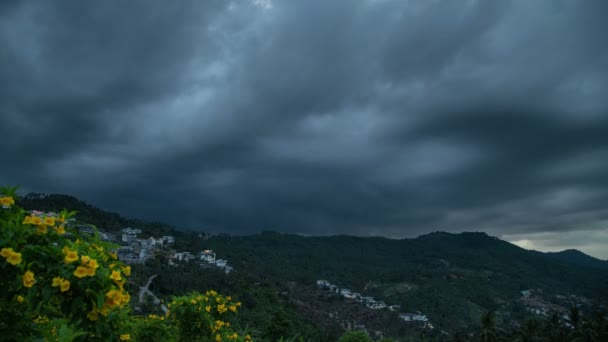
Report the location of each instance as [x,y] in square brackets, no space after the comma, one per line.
[452,278]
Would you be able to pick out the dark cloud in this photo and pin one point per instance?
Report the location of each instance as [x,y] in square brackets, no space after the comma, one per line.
[377,117]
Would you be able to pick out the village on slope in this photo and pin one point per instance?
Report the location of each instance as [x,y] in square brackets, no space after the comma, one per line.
[136,250]
[374,304]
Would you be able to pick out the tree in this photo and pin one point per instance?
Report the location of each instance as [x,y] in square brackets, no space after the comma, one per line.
[488,327]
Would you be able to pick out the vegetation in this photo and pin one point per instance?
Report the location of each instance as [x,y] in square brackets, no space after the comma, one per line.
[60,285]
[469,285]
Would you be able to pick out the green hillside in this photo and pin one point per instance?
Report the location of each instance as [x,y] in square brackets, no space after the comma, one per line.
[451,278]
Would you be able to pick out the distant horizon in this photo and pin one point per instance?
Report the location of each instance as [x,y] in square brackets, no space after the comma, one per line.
[523,244]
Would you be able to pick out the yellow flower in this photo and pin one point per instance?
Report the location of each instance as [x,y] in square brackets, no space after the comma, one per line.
[49,221]
[115,275]
[218,337]
[70,256]
[6,252]
[36,220]
[57,281]
[113,255]
[41,229]
[93,263]
[14,258]
[61,230]
[27,220]
[228,298]
[20,299]
[28,279]
[92,315]
[238,304]
[125,337]
[90,271]
[193,302]
[84,259]
[65,285]
[208,308]
[127,270]
[113,298]
[7,201]
[81,272]
[247,338]
[232,308]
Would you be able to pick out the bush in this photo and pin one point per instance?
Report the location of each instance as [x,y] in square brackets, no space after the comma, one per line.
[52,274]
[60,285]
[355,336]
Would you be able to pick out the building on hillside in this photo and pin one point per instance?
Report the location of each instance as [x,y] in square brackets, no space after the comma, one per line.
[168,240]
[412,317]
[183,256]
[323,283]
[208,256]
[86,229]
[377,305]
[127,255]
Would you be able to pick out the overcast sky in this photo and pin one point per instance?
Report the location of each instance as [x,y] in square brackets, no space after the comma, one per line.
[368,117]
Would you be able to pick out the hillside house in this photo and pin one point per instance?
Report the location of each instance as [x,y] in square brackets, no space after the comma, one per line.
[377,305]
[207,256]
[323,283]
[183,256]
[413,317]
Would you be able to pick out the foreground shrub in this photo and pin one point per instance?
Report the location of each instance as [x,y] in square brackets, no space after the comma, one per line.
[50,272]
[59,285]
[198,315]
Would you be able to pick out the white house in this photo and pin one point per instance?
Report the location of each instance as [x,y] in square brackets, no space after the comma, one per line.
[410,317]
[345,291]
[377,305]
[208,256]
[323,283]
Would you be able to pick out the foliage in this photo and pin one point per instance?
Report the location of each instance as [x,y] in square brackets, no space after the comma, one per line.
[355,336]
[60,285]
[53,273]
[199,315]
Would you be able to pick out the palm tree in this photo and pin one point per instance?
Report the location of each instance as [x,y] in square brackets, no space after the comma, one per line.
[488,327]
[575,317]
[529,332]
[554,330]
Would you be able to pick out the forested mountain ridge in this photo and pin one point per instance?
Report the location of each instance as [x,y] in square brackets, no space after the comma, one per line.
[452,278]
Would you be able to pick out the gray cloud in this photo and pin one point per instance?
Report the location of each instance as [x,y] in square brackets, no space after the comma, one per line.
[377,117]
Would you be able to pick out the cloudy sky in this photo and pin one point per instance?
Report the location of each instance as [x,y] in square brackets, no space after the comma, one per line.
[368,117]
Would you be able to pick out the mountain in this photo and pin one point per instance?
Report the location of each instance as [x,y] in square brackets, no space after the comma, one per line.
[109,221]
[451,278]
[576,257]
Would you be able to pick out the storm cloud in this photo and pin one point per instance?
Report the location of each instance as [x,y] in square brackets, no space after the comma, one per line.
[372,117]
